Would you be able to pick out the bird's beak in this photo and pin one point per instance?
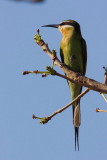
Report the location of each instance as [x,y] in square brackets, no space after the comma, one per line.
[52,25]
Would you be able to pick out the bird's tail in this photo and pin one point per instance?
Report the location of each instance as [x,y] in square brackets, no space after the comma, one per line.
[76,138]
[76,122]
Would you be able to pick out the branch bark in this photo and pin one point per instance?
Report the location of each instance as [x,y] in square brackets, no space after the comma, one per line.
[73,76]
[46,119]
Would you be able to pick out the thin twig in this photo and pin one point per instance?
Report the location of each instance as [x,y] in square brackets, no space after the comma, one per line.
[46,119]
[102,94]
[65,107]
[104,97]
[100,110]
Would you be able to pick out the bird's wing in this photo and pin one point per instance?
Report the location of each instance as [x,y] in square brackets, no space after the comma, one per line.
[61,55]
[84,52]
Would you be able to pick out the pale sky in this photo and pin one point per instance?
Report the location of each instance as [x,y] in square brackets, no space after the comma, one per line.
[21,137]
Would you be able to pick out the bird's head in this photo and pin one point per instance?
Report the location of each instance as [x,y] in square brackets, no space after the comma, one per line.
[66,27]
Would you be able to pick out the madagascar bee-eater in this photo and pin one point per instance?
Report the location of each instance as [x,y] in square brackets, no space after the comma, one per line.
[73,53]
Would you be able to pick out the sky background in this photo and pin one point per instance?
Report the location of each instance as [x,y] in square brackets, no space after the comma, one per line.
[21,137]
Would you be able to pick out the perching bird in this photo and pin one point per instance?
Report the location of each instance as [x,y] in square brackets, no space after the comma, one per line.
[73,53]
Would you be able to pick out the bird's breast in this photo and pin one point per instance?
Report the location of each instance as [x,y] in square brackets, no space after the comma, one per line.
[72,53]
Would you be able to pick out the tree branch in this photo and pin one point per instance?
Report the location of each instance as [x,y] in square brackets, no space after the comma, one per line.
[100,110]
[72,76]
[46,119]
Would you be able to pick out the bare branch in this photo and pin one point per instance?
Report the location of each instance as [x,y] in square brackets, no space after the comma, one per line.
[105,75]
[73,76]
[104,97]
[46,119]
[102,94]
[100,110]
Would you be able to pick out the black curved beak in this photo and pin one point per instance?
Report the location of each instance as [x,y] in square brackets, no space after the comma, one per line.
[52,25]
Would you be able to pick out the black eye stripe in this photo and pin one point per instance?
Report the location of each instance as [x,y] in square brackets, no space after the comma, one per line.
[66,23]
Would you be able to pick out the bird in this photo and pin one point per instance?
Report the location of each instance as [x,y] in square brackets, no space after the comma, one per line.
[73,53]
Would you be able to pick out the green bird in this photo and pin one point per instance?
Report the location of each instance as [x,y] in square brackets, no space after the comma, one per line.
[73,52]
